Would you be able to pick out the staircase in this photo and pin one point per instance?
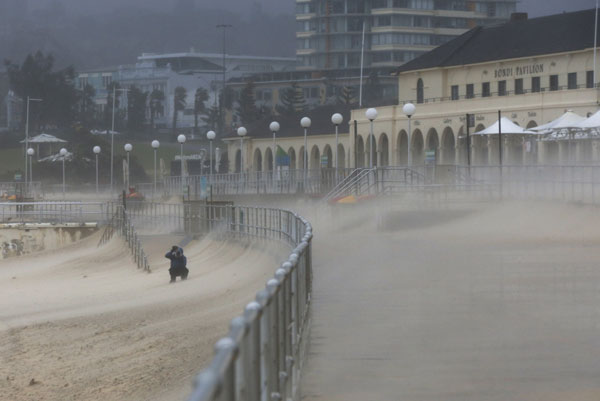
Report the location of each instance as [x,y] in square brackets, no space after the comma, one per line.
[377,181]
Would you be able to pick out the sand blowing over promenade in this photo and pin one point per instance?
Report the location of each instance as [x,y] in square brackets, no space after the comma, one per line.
[82,323]
[491,303]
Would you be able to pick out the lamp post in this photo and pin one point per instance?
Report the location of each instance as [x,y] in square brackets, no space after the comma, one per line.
[181,139]
[371,115]
[274,127]
[336,119]
[112,134]
[211,135]
[96,150]
[30,153]
[155,146]
[305,123]
[408,109]
[128,148]
[242,131]
[29,99]
[63,152]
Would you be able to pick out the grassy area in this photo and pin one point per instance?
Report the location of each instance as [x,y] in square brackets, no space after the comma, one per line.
[11,159]
[145,155]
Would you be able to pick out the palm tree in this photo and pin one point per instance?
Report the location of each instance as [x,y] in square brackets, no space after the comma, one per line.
[157,97]
[200,97]
[178,104]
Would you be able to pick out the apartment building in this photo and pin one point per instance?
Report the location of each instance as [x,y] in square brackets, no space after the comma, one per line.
[330,32]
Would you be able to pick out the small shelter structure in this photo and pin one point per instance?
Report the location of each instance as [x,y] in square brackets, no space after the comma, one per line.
[44,143]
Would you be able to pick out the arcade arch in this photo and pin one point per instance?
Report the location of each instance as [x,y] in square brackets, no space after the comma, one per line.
[416,148]
[257,160]
[448,155]
[384,151]
[402,148]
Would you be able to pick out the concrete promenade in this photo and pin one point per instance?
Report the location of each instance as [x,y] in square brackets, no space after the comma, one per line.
[500,303]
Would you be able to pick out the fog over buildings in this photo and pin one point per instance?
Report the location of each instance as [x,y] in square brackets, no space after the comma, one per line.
[84,32]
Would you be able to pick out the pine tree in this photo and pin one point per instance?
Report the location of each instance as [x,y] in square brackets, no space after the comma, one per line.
[346,96]
[247,110]
[292,100]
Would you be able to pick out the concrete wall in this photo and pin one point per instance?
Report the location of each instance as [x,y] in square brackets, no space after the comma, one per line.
[16,240]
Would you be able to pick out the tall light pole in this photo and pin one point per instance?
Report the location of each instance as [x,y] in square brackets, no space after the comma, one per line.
[96,150]
[155,146]
[30,153]
[112,134]
[221,103]
[29,99]
[63,152]
[305,123]
[242,131]
[408,109]
[181,139]
[371,115]
[336,119]
[211,135]
[274,127]
[128,148]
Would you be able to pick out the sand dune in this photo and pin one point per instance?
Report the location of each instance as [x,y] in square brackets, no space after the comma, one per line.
[83,323]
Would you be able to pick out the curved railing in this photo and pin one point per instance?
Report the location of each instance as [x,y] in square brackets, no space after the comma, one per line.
[262,355]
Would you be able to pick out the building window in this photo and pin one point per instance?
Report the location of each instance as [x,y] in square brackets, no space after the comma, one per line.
[535,84]
[485,89]
[420,91]
[470,91]
[454,92]
[83,81]
[519,86]
[379,4]
[384,20]
[501,88]
[106,81]
[400,3]
[553,82]
[589,79]
[572,80]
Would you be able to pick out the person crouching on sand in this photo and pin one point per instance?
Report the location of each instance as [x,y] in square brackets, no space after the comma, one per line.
[178,263]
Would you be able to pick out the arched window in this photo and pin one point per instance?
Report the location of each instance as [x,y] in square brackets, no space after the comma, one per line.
[420,95]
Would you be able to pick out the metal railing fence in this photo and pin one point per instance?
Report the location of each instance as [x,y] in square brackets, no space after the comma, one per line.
[314,181]
[262,355]
[55,212]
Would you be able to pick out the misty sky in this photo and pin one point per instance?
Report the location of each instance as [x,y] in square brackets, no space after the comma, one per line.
[533,7]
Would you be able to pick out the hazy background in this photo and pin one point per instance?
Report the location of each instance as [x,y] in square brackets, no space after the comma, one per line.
[92,33]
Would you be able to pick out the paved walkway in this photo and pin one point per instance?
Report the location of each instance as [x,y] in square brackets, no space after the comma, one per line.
[459,311]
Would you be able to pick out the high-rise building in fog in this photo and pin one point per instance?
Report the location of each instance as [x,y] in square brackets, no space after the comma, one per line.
[329,32]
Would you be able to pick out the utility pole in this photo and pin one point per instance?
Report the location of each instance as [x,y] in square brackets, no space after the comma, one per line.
[221,103]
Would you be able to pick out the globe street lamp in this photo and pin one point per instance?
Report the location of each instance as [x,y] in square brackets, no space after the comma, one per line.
[336,119]
[274,127]
[63,152]
[181,139]
[128,148]
[242,131]
[211,135]
[155,145]
[30,153]
[371,116]
[112,133]
[409,109]
[96,150]
[29,99]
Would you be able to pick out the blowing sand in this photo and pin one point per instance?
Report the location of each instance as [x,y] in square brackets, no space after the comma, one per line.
[491,303]
[82,323]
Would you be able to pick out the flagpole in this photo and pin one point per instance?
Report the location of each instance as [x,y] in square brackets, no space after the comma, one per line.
[362,60]
[595,40]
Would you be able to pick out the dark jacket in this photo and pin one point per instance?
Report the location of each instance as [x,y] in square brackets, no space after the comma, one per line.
[177,263]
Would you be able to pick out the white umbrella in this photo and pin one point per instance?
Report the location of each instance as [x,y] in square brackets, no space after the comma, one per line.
[566,121]
[508,127]
[592,122]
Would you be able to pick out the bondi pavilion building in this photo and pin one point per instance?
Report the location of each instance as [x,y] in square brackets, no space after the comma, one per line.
[531,70]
